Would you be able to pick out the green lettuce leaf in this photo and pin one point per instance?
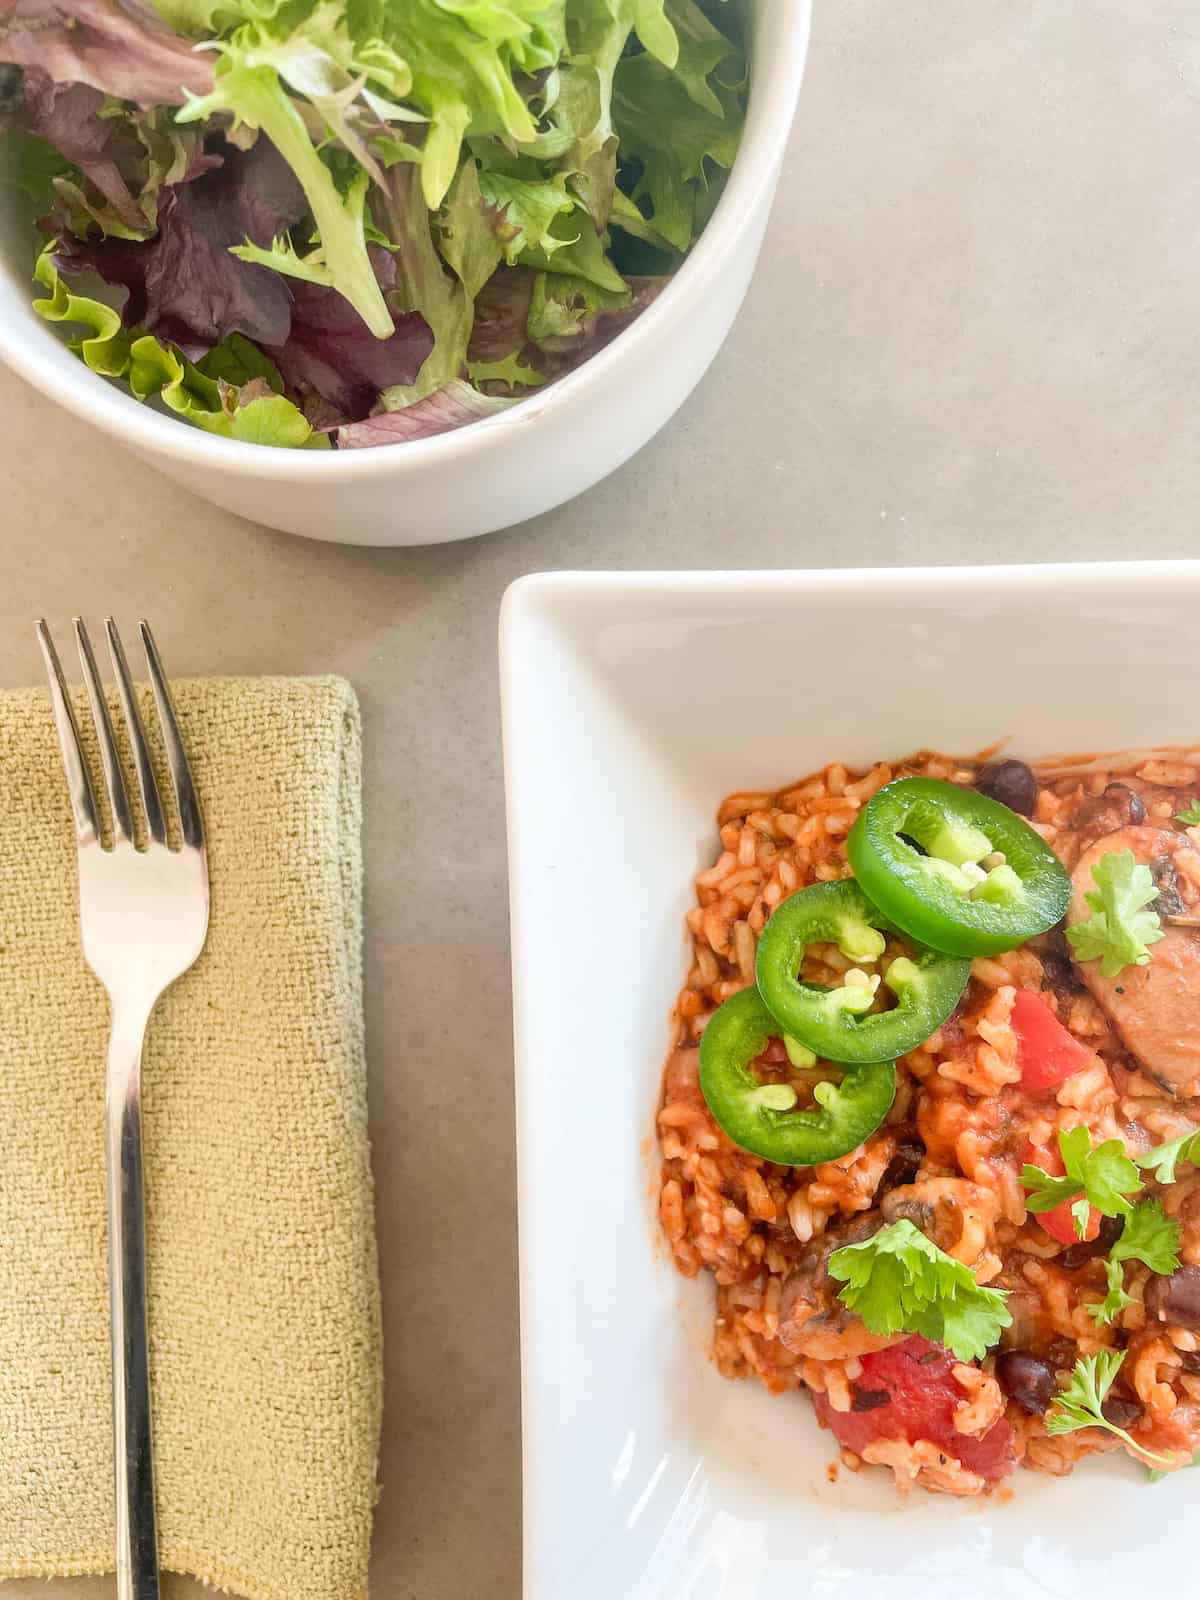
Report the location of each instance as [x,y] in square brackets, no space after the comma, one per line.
[463,56]
[526,212]
[577,250]
[511,371]
[561,308]
[675,140]
[470,247]
[250,90]
[247,410]
[32,166]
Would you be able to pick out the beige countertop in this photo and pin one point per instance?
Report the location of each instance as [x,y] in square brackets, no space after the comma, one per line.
[973,337]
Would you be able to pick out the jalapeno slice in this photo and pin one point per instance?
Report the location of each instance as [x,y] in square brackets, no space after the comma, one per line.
[956,869]
[761,1117]
[839,1024]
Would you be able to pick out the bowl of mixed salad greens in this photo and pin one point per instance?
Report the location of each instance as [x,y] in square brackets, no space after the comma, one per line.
[384,271]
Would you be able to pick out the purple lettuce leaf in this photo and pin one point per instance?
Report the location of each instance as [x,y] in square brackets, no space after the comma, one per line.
[332,357]
[440,412]
[184,285]
[501,314]
[68,118]
[116,46]
[502,322]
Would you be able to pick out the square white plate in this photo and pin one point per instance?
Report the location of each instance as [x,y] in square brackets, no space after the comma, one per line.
[632,705]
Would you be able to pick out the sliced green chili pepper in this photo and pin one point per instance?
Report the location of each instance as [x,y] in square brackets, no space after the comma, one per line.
[956,869]
[839,1024]
[761,1116]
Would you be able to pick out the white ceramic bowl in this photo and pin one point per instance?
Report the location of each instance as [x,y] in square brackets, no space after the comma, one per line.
[632,706]
[498,471]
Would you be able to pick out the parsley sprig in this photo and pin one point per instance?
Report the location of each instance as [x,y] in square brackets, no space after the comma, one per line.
[1149,1236]
[898,1281]
[1103,1178]
[1081,1403]
[1121,931]
[1164,1158]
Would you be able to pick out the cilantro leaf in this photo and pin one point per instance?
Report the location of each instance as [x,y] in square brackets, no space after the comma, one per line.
[899,1281]
[1115,1301]
[1162,1160]
[1104,1177]
[1190,815]
[1081,1403]
[1149,1236]
[1122,929]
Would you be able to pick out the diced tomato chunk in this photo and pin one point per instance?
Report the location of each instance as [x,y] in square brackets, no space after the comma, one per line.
[1048,1054]
[919,1396]
[1059,1223]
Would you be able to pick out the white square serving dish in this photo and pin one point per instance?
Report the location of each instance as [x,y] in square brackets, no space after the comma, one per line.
[632,704]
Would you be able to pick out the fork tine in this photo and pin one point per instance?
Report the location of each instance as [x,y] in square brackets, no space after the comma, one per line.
[113,776]
[141,755]
[190,821]
[79,785]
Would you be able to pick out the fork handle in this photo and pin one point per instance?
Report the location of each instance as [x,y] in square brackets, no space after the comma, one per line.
[133,1456]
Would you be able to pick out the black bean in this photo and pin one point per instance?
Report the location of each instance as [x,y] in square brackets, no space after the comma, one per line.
[12,86]
[1175,1299]
[1166,879]
[1117,807]
[1120,1412]
[1076,1254]
[868,1399]
[1010,782]
[1026,1379]
[1061,1353]
[904,1165]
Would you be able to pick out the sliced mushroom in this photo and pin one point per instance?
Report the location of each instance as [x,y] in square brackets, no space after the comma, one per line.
[1155,1008]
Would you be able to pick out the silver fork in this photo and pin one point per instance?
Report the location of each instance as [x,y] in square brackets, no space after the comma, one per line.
[143,918]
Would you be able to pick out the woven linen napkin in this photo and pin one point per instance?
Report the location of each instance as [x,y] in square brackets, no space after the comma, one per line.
[263,1290]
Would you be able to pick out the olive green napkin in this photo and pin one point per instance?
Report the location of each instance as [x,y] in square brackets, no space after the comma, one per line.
[264,1300]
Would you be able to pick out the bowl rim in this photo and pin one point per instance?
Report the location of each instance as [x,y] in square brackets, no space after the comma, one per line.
[774,95]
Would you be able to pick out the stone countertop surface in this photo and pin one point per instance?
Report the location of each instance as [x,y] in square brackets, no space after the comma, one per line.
[973,337]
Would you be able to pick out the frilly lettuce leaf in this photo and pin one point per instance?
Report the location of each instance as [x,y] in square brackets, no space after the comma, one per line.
[447,408]
[563,307]
[511,371]
[249,89]
[703,51]
[119,50]
[583,253]
[562,153]
[463,55]
[31,165]
[673,138]
[246,410]
[184,285]
[526,212]
[469,246]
